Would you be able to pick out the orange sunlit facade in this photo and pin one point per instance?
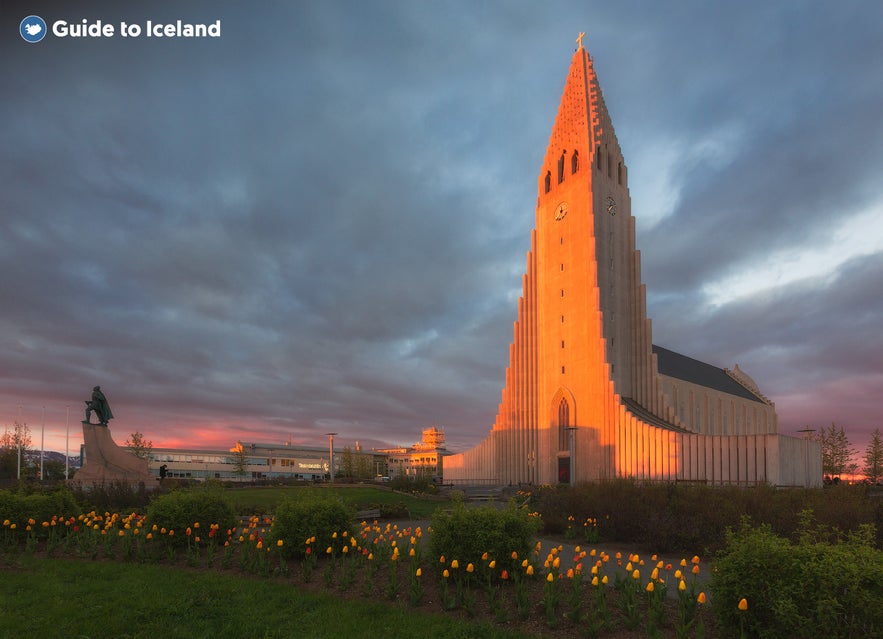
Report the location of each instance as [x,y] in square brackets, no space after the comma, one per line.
[587,395]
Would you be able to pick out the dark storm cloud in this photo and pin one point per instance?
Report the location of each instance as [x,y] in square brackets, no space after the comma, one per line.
[325,227]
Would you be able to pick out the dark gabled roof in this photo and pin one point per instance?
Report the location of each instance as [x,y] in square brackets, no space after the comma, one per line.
[691,370]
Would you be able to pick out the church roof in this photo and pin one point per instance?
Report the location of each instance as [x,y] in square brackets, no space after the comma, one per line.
[691,370]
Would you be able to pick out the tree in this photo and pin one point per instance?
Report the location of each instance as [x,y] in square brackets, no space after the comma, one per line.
[873,459]
[240,459]
[14,445]
[347,463]
[139,446]
[836,451]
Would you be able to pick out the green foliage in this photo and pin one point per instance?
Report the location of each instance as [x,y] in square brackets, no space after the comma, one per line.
[872,460]
[421,484]
[310,513]
[836,450]
[179,510]
[812,588]
[465,533]
[687,517]
[18,507]
[117,496]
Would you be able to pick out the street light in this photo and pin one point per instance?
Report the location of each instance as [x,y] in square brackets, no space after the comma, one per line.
[331,453]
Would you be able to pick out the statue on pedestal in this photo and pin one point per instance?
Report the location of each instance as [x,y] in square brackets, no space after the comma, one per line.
[99,404]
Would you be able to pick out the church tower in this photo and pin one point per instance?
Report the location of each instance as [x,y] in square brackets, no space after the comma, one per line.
[584,399]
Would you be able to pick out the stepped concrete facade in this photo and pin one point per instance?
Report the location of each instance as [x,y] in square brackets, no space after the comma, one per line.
[587,394]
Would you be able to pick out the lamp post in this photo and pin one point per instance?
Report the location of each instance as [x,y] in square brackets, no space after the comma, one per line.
[67,436]
[331,454]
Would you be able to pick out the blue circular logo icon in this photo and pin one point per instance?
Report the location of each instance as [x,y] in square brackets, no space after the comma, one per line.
[33,28]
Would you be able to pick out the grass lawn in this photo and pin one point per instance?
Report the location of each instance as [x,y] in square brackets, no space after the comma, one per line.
[266,499]
[73,598]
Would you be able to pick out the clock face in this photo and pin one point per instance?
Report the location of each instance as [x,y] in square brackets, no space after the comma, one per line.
[611,206]
[561,211]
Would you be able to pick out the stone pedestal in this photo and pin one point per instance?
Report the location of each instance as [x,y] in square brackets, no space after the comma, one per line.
[107,463]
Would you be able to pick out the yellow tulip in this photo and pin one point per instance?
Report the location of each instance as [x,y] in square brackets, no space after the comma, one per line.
[701,598]
[695,570]
[604,580]
[649,586]
[550,578]
[280,543]
[446,574]
[529,569]
[595,580]
[695,559]
[636,574]
[682,586]
[419,573]
[743,604]
[493,564]
[455,564]
[470,568]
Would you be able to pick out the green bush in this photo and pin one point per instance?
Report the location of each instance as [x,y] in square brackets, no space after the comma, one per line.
[117,496]
[692,518]
[179,510]
[465,533]
[310,513]
[811,588]
[18,507]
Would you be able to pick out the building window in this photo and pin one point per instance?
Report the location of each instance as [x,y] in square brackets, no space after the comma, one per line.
[598,155]
[561,167]
[574,162]
[562,343]
[562,292]
[619,173]
[562,370]
[548,182]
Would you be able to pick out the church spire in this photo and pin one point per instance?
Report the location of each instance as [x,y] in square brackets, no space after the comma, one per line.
[582,126]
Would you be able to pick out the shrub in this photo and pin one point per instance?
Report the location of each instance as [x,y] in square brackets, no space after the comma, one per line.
[310,513]
[114,496]
[179,510]
[809,588]
[18,507]
[465,533]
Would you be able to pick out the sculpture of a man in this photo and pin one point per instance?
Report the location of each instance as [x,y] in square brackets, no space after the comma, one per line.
[99,404]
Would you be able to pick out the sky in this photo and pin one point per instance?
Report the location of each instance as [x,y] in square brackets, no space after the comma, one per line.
[317,222]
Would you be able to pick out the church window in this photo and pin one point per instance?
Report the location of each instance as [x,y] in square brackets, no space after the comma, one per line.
[562,343]
[563,425]
[562,267]
[619,173]
[561,168]
[574,162]
[562,319]
[562,370]
[609,166]
[548,184]
[598,155]
[562,292]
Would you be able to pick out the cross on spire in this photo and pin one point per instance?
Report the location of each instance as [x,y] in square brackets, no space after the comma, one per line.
[579,40]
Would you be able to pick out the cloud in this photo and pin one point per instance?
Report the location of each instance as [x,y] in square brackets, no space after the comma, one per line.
[325,228]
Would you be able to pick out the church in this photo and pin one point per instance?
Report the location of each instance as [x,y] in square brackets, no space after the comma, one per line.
[587,395]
